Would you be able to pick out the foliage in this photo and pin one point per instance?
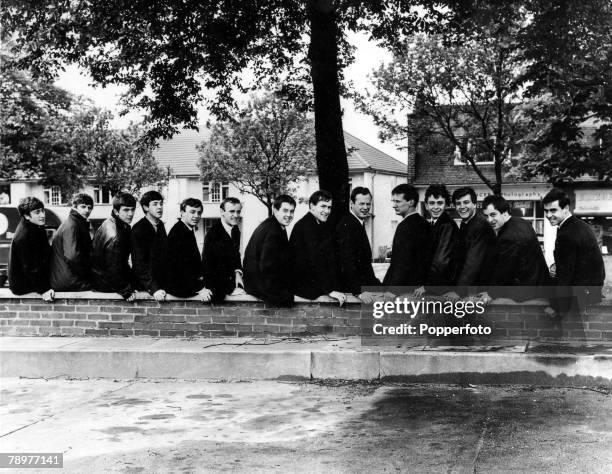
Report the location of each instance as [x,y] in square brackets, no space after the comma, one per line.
[118,160]
[265,150]
[568,47]
[41,130]
[465,94]
[530,77]
[169,53]
[64,141]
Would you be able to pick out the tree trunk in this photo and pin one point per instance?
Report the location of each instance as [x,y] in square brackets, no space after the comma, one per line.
[331,157]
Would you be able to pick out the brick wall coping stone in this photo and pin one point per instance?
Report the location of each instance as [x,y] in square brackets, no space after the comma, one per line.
[6,293]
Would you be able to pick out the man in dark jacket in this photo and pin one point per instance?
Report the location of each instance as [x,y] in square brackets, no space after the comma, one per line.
[72,248]
[315,269]
[267,260]
[111,250]
[149,246]
[579,271]
[444,238]
[221,254]
[475,247]
[354,251]
[519,270]
[411,242]
[184,277]
[29,255]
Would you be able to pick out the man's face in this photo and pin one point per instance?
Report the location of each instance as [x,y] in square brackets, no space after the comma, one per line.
[495,218]
[84,210]
[37,216]
[362,205]
[284,214]
[465,207]
[155,209]
[321,210]
[126,214]
[555,213]
[191,215]
[400,205]
[435,206]
[231,214]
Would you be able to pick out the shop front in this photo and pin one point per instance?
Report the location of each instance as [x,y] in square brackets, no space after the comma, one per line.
[594,206]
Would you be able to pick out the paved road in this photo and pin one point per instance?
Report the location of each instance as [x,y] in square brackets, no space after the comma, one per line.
[169,426]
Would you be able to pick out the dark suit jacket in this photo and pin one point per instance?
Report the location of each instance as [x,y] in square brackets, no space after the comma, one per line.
[220,260]
[267,264]
[72,252]
[149,255]
[475,253]
[354,256]
[184,276]
[410,254]
[578,261]
[111,253]
[29,256]
[315,268]
[518,262]
[444,241]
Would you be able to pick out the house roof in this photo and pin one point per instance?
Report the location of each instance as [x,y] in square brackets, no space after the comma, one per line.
[362,156]
[181,155]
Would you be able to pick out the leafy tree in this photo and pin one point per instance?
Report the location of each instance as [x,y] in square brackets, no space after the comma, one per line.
[62,140]
[168,52]
[568,48]
[520,76]
[265,150]
[118,160]
[462,95]
[41,127]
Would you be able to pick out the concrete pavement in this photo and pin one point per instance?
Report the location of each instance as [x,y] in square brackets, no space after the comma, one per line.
[302,358]
[153,426]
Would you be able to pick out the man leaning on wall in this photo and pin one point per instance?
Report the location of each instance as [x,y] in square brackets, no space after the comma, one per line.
[72,248]
[29,255]
[112,247]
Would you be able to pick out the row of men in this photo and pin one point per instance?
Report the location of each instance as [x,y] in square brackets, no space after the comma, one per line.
[485,253]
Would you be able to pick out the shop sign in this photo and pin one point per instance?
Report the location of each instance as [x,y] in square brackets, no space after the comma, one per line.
[593,201]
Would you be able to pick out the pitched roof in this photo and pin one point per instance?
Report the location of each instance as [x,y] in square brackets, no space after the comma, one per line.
[181,155]
[365,157]
[180,152]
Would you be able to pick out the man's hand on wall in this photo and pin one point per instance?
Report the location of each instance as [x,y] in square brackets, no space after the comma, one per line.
[159,295]
[205,294]
[48,295]
[341,297]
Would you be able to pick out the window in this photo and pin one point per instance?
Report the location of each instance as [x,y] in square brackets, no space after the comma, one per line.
[215,192]
[477,148]
[531,211]
[53,196]
[5,193]
[102,195]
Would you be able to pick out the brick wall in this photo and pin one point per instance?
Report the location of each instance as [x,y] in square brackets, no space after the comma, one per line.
[98,314]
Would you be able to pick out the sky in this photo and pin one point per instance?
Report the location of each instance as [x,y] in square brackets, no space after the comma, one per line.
[368,56]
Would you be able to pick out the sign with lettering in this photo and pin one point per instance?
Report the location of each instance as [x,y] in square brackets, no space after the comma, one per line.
[593,201]
[517,194]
